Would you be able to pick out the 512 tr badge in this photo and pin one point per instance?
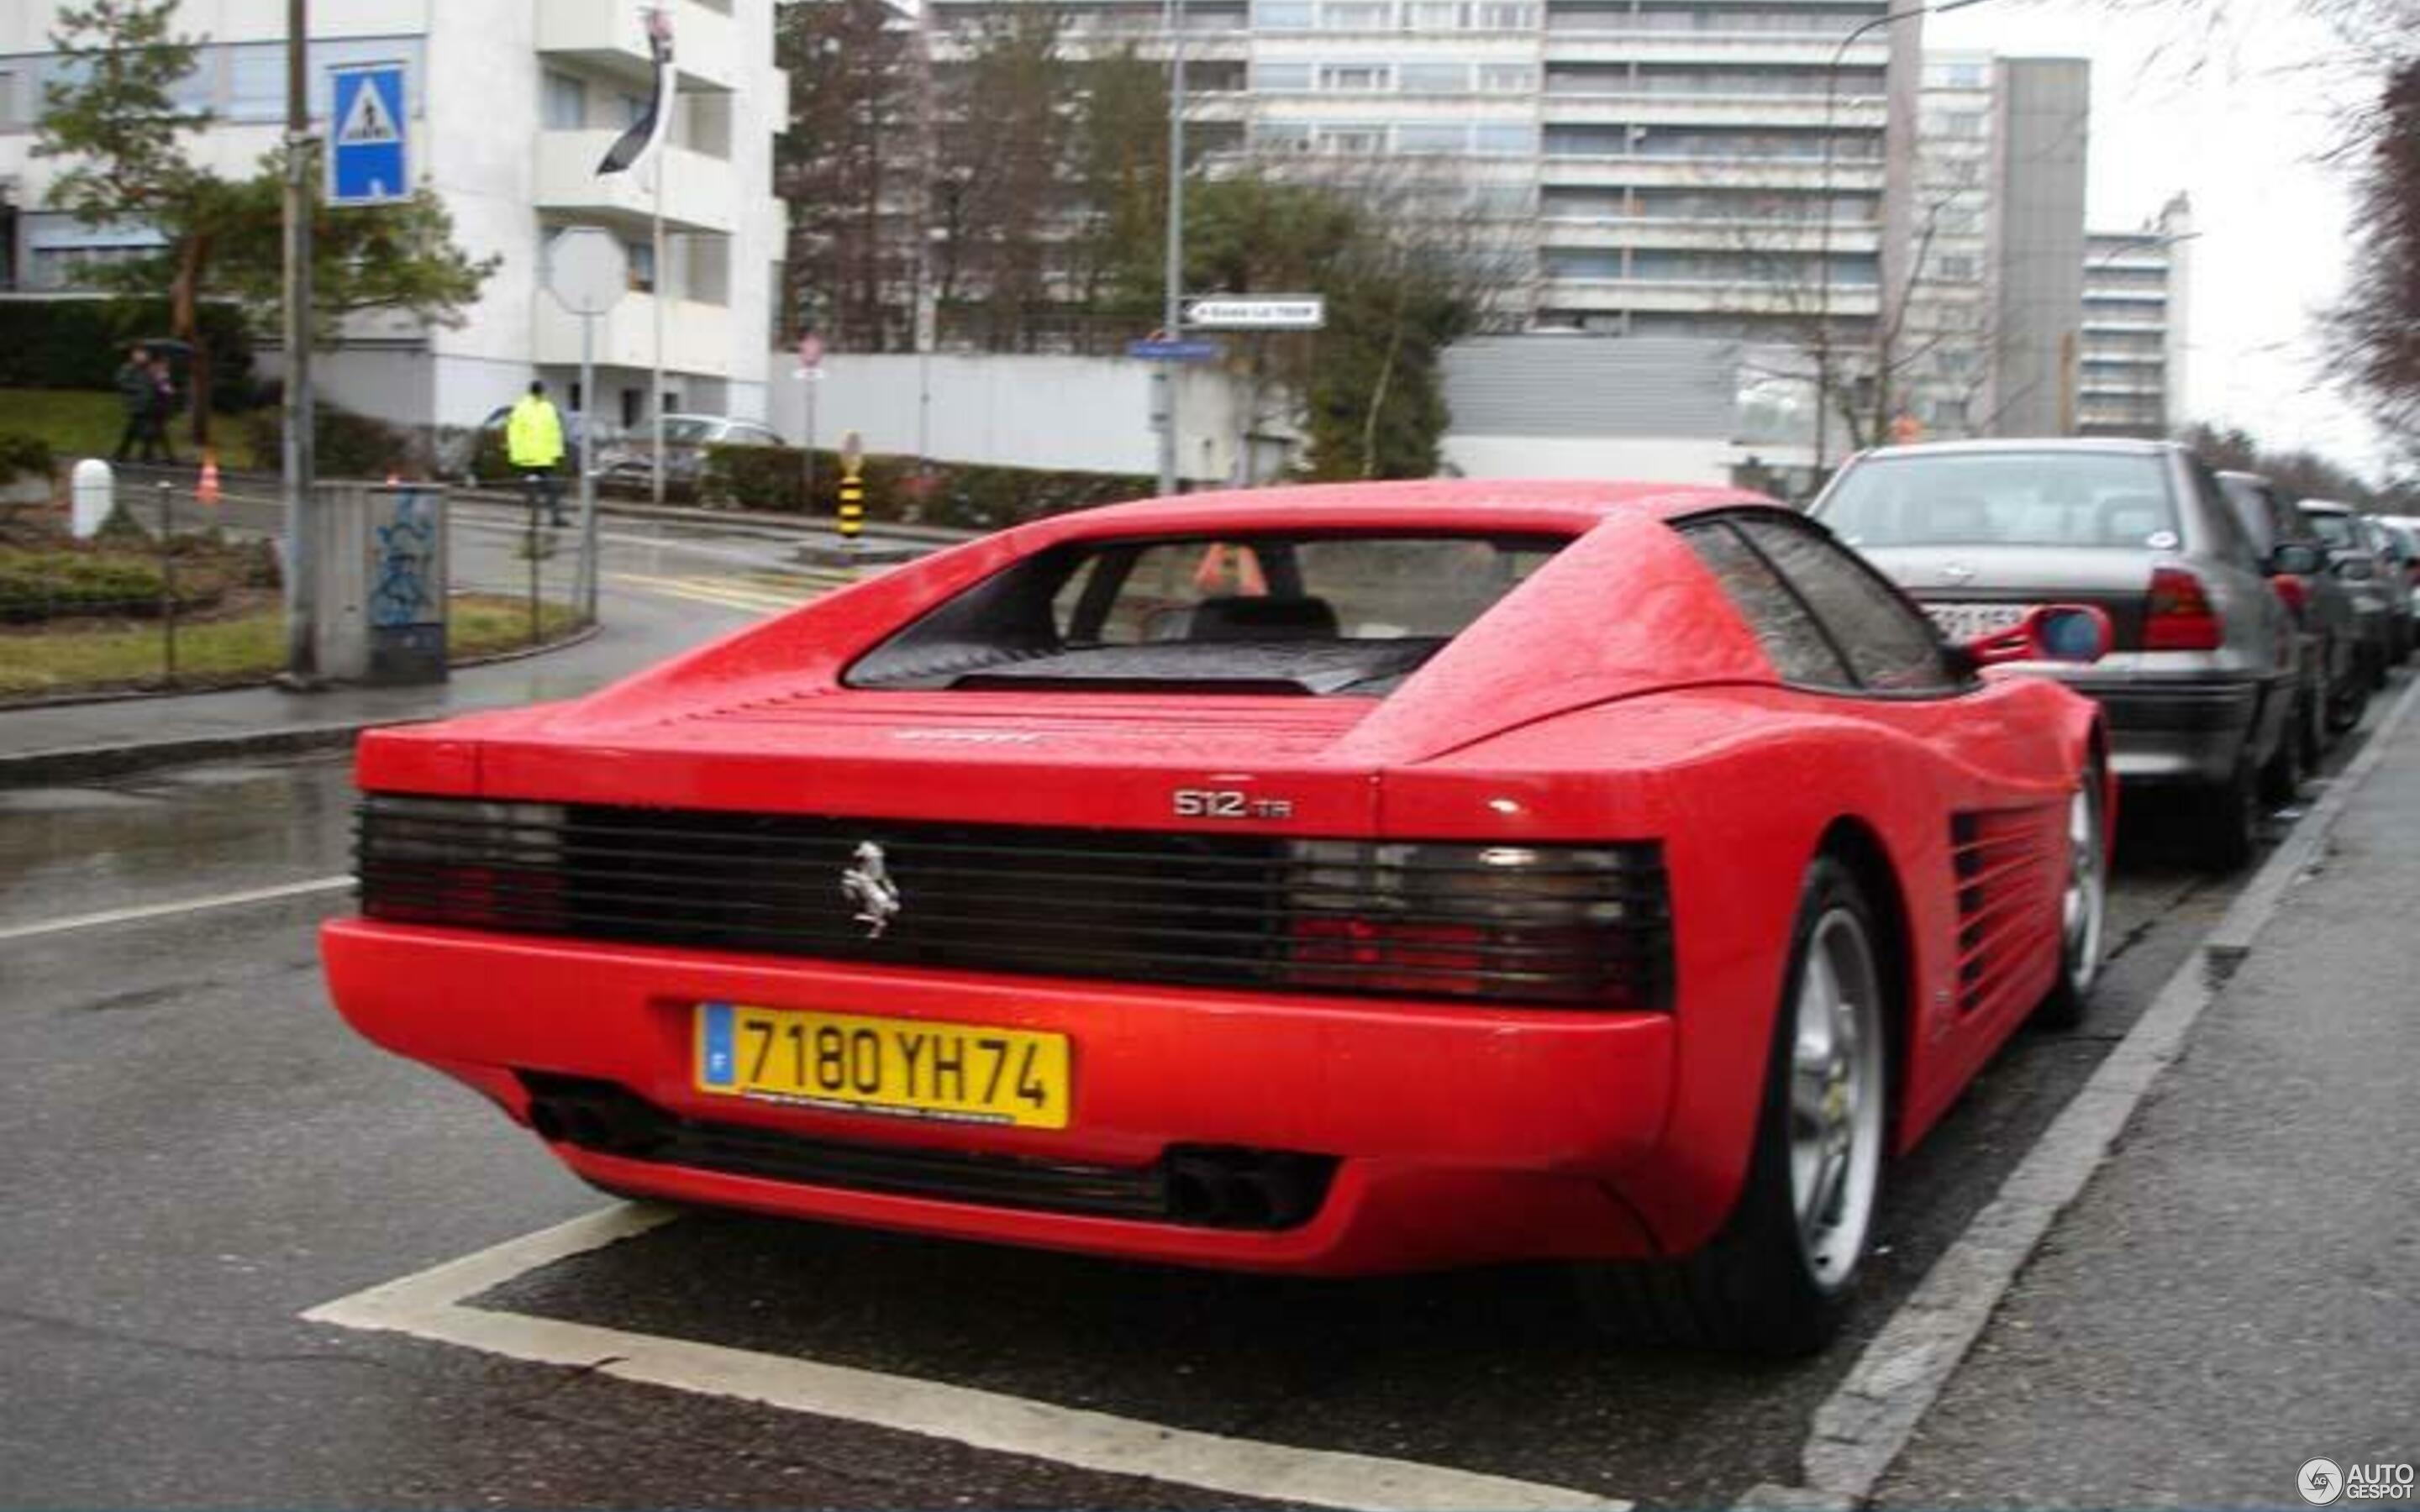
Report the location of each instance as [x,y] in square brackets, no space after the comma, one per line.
[1228,803]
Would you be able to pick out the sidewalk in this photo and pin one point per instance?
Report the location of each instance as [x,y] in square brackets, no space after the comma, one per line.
[2238,1290]
[76,742]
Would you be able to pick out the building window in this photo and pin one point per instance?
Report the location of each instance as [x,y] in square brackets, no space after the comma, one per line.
[1957,268]
[1505,141]
[565,102]
[1353,78]
[641,258]
[1432,78]
[1282,138]
[1352,140]
[12,113]
[1507,78]
[1281,78]
[1282,15]
[1356,16]
[1432,140]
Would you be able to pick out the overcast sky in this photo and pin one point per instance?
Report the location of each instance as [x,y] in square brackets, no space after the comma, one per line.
[2239,103]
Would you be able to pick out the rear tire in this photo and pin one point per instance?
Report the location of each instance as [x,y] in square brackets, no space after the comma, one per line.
[1778,1276]
[2084,906]
[2311,728]
[2281,778]
[2225,817]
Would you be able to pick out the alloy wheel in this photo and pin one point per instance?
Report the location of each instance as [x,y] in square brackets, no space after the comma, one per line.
[1837,1096]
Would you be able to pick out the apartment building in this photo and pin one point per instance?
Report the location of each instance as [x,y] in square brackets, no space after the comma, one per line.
[1650,166]
[510,107]
[1989,342]
[2131,377]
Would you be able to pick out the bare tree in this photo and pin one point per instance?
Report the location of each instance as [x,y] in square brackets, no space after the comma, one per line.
[2378,322]
[850,166]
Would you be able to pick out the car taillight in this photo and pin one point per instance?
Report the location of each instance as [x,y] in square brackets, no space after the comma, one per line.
[468,865]
[2179,616]
[1578,926]
[2291,592]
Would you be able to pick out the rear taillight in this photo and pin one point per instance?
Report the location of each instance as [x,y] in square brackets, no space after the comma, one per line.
[2291,592]
[1581,926]
[468,865]
[2177,616]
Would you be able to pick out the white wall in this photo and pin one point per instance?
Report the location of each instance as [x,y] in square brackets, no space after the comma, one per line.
[1623,458]
[1086,413]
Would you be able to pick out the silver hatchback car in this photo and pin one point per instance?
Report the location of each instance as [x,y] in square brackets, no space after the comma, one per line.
[2200,682]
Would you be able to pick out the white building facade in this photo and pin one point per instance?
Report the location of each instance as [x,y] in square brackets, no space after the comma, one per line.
[511,103]
[2136,307]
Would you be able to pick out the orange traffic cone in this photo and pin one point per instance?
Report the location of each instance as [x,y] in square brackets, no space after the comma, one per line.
[207,490]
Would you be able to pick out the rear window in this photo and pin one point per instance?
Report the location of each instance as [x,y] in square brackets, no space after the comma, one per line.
[2006,499]
[1264,612]
[2336,529]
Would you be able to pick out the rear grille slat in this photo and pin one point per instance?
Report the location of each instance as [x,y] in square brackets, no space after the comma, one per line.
[1570,925]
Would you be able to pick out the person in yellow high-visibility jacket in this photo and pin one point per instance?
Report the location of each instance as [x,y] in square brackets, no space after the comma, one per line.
[533,442]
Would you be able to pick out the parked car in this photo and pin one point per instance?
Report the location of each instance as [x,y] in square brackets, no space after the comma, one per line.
[2375,588]
[2405,530]
[2331,691]
[1331,880]
[2394,555]
[2200,689]
[629,463]
[477,455]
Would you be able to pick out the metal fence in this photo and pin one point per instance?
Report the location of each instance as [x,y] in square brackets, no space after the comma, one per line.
[182,591]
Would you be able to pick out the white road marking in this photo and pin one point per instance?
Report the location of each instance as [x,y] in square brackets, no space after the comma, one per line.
[190,905]
[722,592]
[431,1305]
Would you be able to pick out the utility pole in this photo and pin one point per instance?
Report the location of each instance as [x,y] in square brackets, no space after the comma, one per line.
[302,542]
[1172,307]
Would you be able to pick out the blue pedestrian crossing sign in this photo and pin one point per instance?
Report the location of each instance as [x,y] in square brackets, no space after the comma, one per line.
[366,158]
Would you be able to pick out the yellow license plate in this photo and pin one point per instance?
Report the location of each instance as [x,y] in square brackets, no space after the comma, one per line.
[907,1067]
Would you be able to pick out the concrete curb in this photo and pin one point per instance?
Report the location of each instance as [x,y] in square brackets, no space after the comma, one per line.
[1863,1426]
[82,764]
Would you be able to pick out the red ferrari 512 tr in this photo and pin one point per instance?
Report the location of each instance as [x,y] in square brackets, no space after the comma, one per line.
[1324,880]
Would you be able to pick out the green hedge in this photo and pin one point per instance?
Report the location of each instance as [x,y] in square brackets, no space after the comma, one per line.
[349,445]
[966,496]
[38,585]
[79,343]
[21,455]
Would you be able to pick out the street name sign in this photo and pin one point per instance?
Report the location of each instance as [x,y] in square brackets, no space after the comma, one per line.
[1258,312]
[367,159]
[1174,351]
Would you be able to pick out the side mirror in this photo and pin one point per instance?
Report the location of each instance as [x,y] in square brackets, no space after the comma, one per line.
[2297,558]
[2075,634]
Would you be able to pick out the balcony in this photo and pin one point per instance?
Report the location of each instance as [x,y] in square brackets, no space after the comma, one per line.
[1591,171]
[1701,297]
[1583,107]
[1756,236]
[698,337]
[613,39]
[1574,44]
[701,194]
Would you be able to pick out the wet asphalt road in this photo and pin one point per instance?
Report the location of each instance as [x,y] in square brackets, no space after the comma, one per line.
[202,1153]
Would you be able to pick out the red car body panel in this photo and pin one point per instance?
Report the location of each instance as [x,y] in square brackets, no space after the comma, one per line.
[1615,696]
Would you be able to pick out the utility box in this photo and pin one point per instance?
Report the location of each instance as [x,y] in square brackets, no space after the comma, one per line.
[382,582]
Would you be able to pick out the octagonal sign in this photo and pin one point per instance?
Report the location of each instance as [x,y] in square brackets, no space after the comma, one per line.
[586,269]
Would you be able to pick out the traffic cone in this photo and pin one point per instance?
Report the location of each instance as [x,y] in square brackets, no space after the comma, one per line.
[207,490]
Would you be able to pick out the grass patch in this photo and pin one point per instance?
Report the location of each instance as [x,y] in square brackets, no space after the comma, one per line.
[243,648]
[80,424]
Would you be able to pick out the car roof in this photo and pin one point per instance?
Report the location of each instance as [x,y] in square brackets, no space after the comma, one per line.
[2324,506]
[2104,445]
[1447,505]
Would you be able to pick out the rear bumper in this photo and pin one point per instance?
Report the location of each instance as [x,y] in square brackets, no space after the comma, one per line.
[2177,732]
[1447,1136]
